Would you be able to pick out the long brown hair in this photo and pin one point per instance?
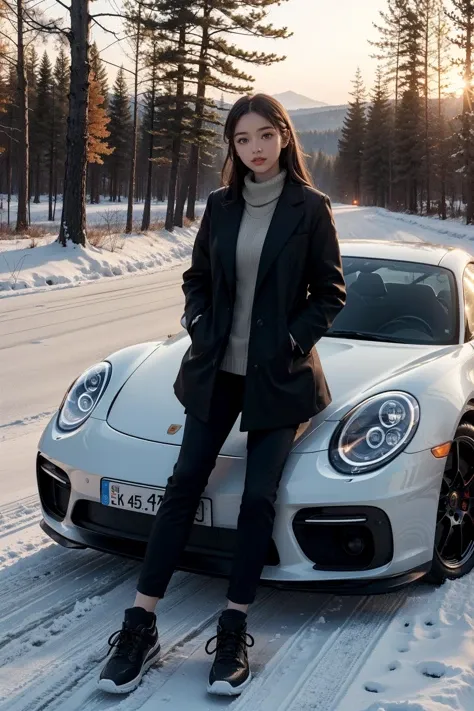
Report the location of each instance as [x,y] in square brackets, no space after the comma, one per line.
[291,157]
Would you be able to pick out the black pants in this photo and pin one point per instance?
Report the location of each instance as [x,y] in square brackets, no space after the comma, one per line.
[267,451]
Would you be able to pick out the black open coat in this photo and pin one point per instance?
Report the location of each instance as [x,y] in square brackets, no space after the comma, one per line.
[300,289]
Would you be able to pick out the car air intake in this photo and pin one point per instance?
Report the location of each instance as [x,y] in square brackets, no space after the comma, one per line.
[344,538]
[54,488]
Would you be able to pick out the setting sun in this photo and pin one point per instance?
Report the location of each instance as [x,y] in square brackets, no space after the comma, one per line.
[455,84]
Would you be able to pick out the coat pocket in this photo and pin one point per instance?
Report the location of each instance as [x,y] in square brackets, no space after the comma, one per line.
[201,333]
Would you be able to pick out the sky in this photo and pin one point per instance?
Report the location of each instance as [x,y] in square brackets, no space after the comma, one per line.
[330,40]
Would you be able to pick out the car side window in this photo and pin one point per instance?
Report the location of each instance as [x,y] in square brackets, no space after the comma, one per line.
[468,289]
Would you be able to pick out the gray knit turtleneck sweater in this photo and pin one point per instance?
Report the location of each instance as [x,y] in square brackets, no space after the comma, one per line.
[260,203]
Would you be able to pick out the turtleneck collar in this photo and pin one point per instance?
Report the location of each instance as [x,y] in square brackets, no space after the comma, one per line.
[258,194]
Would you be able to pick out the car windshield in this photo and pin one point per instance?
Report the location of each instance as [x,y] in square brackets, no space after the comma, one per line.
[402,302]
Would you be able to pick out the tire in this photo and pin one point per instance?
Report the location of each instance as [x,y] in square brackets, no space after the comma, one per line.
[453,554]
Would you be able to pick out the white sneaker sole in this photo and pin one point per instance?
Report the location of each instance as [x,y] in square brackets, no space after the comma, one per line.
[223,688]
[111,687]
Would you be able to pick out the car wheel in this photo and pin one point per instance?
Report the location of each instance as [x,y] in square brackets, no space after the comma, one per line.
[454,537]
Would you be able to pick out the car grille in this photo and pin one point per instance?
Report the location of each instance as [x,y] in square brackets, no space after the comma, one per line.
[135,527]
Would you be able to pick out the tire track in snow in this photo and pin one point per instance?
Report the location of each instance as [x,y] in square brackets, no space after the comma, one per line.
[83,574]
[12,522]
[302,680]
[86,300]
[73,648]
[273,618]
[17,515]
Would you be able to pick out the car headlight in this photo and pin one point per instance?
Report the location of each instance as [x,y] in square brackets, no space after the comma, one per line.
[374,432]
[83,395]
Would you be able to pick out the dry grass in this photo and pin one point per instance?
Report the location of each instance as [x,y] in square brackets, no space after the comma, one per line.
[108,235]
[33,232]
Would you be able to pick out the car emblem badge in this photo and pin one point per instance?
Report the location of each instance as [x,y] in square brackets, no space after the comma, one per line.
[172,429]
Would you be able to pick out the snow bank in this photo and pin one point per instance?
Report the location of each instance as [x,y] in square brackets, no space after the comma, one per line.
[49,265]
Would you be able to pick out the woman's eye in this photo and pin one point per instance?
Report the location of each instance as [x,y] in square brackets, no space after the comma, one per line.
[268,135]
[240,141]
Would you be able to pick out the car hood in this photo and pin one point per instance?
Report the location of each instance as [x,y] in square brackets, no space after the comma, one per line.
[146,406]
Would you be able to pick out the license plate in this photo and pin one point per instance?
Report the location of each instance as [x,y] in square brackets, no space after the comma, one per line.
[145,499]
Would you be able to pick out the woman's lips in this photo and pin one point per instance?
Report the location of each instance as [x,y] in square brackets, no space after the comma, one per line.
[259,161]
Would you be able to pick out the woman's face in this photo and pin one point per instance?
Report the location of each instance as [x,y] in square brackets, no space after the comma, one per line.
[258,145]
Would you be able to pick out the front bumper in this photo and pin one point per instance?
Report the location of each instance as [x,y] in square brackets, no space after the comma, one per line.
[210,564]
[405,492]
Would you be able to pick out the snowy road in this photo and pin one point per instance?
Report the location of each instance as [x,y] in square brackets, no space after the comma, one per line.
[409,651]
[313,652]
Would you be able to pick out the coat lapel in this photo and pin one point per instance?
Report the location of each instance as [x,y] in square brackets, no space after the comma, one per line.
[228,225]
[288,213]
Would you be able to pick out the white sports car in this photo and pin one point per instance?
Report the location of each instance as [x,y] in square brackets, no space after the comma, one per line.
[378,489]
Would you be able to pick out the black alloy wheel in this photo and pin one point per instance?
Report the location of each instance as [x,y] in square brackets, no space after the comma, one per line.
[454,536]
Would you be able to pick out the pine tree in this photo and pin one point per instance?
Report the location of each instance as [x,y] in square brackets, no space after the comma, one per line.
[321,167]
[100,73]
[73,216]
[32,69]
[59,124]
[377,147]
[216,67]
[97,121]
[463,21]
[11,121]
[120,128]
[41,122]
[137,17]
[4,104]
[148,139]
[426,11]
[441,67]
[351,144]
[23,135]
[96,170]
[409,133]
[32,73]
[176,19]
[389,47]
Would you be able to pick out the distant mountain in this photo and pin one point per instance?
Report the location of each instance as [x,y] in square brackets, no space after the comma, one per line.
[329,118]
[292,101]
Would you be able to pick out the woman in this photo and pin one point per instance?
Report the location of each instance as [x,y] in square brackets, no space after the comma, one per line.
[264,285]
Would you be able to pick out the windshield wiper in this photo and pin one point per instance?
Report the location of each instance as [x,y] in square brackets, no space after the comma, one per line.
[362,336]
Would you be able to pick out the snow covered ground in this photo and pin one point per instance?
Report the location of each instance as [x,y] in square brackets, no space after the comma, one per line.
[47,265]
[407,651]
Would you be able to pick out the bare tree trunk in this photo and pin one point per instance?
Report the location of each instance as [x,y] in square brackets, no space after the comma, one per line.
[151,141]
[9,163]
[133,159]
[51,155]
[181,199]
[466,120]
[199,110]
[441,127]
[427,139]
[51,159]
[73,218]
[37,179]
[176,144]
[24,141]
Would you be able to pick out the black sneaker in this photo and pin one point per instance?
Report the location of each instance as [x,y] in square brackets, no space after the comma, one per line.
[230,673]
[135,649]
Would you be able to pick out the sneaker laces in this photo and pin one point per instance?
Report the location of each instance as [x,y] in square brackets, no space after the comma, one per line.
[227,643]
[126,641]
